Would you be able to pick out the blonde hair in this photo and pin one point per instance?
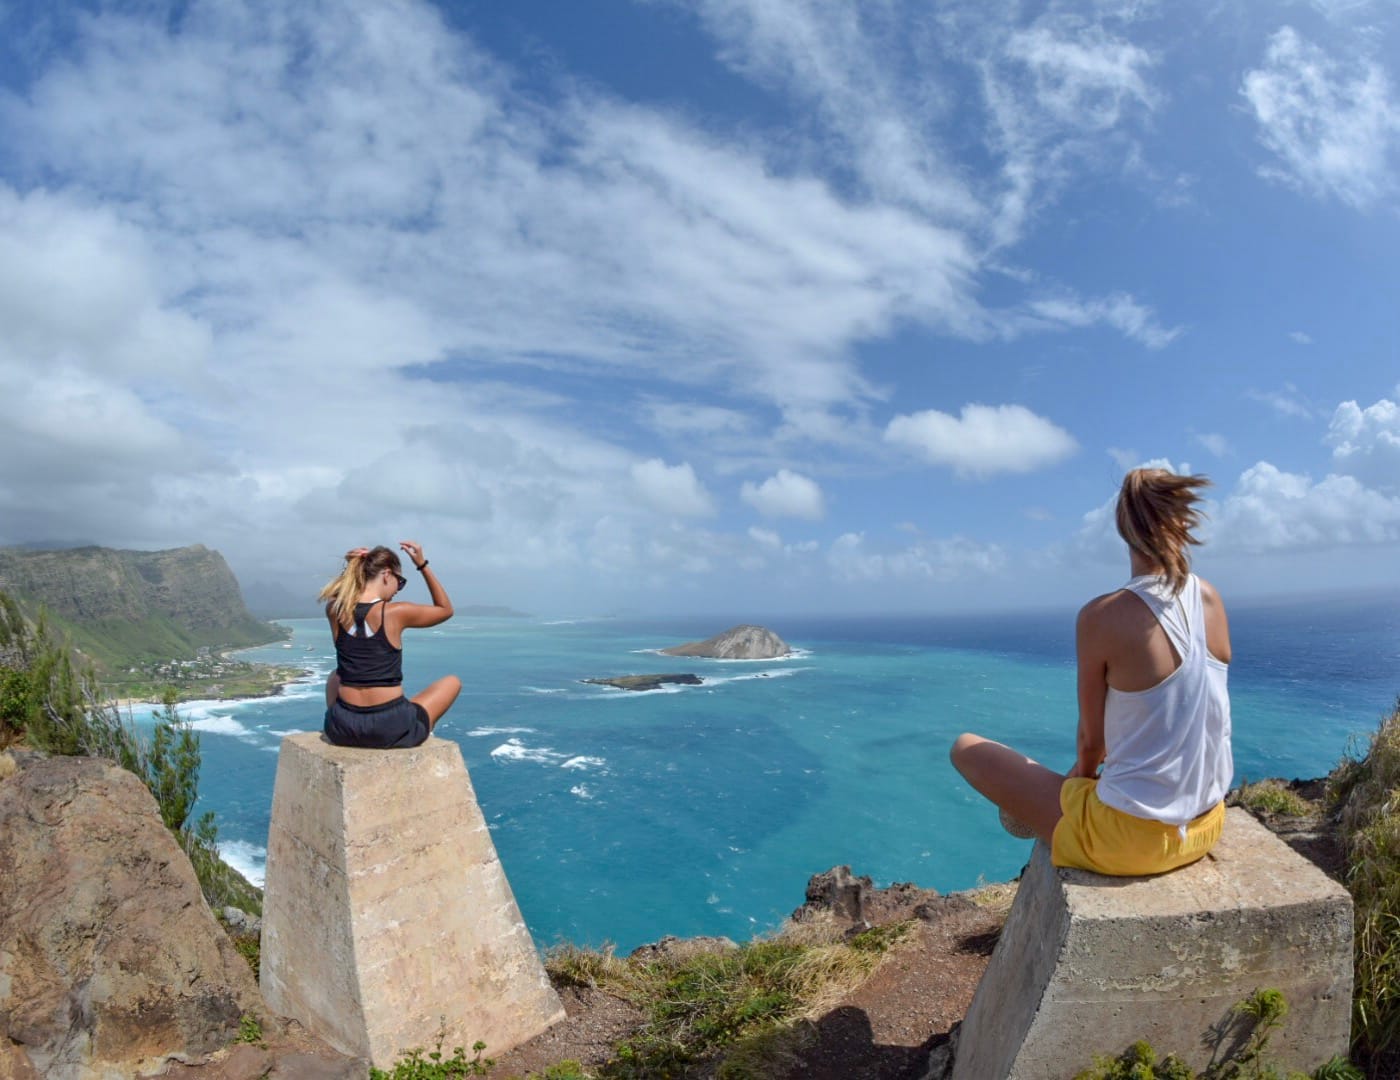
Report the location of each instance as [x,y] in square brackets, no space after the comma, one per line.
[343,591]
[1156,513]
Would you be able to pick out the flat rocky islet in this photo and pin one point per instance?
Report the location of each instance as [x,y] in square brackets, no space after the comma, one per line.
[647,682]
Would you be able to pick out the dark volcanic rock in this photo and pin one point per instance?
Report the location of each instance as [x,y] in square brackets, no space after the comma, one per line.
[839,893]
[110,961]
[646,682]
[737,643]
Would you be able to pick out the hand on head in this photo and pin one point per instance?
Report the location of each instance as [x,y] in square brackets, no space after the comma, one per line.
[356,553]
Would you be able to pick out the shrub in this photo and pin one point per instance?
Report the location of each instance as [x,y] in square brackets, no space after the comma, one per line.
[418,1064]
[1272,797]
[1362,791]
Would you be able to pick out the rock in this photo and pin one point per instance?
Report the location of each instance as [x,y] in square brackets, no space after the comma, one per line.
[240,922]
[646,682]
[671,947]
[111,963]
[838,892]
[738,643]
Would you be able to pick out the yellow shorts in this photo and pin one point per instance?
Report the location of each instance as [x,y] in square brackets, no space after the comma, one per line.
[1097,837]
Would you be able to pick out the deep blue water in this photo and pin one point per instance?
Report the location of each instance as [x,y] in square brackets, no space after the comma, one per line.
[703,810]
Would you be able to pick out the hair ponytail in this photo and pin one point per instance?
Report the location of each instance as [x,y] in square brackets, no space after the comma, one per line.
[1156,513]
[342,592]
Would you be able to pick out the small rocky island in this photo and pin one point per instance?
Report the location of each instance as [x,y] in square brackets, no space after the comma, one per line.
[745,642]
[646,682]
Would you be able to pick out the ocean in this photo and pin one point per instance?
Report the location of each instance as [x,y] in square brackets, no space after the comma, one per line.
[621,816]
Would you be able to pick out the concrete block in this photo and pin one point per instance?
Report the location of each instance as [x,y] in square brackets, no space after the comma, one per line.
[386,914]
[1089,964]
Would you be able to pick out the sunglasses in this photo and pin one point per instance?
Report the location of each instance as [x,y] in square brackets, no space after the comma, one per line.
[399,578]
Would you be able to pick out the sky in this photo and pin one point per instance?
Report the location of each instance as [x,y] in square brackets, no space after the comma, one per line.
[730,306]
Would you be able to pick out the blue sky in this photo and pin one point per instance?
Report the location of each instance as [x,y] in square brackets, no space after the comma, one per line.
[742,306]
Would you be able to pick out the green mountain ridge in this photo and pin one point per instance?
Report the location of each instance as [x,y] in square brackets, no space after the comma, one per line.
[125,608]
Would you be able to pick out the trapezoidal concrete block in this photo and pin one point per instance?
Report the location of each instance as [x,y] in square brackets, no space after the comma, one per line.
[387,917]
[1089,964]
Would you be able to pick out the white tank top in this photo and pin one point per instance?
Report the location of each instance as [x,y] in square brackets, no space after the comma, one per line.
[1168,748]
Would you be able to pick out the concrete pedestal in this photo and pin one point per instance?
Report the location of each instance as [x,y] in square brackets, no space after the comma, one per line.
[387,917]
[1088,964]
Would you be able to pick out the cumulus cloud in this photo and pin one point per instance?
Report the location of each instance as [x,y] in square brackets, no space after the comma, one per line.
[1270,510]
[1366,443]
[1333,125]
[672,489]
[984,439]
[786,494]
[951,559]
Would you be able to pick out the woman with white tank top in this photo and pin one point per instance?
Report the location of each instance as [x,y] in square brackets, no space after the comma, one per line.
[1153,758]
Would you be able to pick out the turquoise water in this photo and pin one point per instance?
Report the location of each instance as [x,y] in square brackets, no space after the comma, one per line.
[622,816]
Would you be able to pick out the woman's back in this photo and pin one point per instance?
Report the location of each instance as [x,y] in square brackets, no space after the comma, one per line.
[1167,743]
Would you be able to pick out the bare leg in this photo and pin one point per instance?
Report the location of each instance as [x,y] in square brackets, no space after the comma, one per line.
[332,688]
[438,698]
[1024,788]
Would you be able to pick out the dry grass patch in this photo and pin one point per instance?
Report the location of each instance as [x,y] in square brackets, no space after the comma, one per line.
[743,1010]
[1273,797]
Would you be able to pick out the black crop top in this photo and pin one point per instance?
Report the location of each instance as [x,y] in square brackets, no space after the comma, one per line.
[363,656]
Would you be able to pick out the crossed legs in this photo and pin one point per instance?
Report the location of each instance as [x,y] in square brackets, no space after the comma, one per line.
[436,699]
[1024,788]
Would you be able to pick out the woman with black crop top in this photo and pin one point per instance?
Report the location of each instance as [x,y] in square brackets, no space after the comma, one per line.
[365,704]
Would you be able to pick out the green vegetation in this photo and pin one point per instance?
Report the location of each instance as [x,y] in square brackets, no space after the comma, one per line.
[250,1030]
[1262,1013]
[1364,792]
[57,706]
[1273,797]
[416,1064]
[739,1010]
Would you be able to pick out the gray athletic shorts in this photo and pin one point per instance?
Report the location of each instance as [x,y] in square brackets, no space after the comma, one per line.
[395,725]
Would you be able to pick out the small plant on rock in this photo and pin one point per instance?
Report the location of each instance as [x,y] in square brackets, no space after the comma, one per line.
[418,1064]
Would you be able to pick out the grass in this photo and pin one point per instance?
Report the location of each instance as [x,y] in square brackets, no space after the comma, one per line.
[1364,793]
[1273,797]
[741,1010]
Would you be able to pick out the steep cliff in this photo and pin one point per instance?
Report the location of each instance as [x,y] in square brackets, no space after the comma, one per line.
[128,606]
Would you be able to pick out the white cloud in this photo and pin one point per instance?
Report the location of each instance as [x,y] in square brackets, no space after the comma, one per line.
[786,494]
[1273,510]
[1298,337]
[1286,402]
[1120,311]
[1217,444]
[1332,124]
[937,560]
[985,439]
[1083,76]
[765,537]
[672,489]
[1366,443]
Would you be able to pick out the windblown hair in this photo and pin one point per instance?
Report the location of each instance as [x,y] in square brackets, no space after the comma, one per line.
[343,591]
[1156,513]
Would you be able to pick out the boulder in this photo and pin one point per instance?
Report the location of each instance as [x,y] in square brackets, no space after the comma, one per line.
[737,643]
[111,963]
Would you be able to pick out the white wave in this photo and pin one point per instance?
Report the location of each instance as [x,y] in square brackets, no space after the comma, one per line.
[481,732]
[248,859]
[515,750]
[221,725]
[719,680]
[283,734]
[582,761]
[546,689]
[581,790]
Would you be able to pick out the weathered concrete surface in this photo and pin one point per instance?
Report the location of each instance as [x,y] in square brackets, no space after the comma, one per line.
[1090,964]
[111,963]
[386,913]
